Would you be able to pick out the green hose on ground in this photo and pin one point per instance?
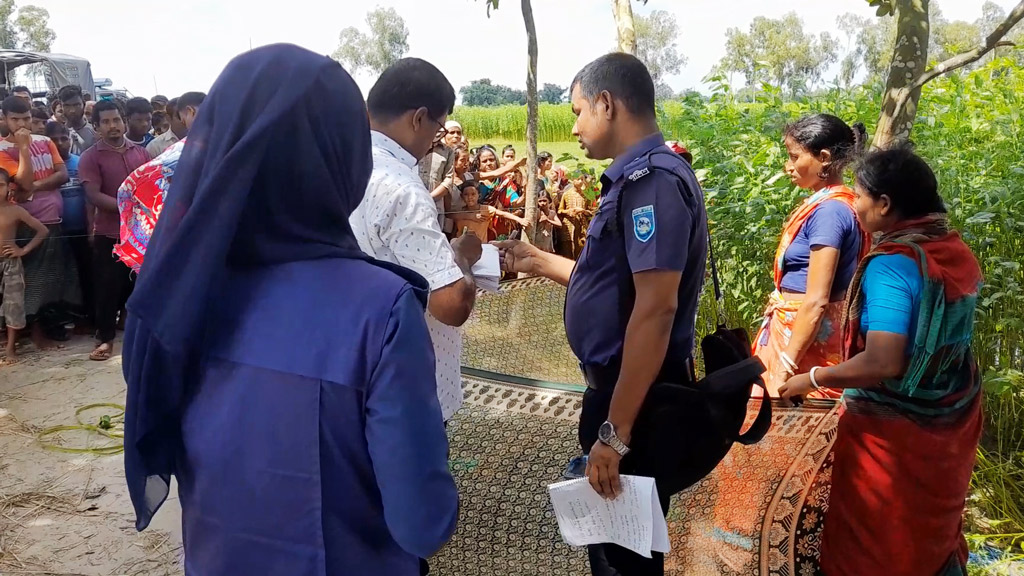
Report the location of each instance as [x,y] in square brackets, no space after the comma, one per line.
[109,426]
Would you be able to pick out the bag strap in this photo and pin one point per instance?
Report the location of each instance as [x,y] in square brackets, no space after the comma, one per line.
[763,422]
[748,370]
[719,297]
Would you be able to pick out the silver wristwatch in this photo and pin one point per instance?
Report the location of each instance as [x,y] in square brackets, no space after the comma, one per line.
[606,434]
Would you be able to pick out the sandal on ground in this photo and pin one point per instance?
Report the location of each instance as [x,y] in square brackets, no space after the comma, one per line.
[102,353]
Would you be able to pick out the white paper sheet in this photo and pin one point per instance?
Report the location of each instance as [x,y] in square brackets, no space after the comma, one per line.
[487,269]
[632,520]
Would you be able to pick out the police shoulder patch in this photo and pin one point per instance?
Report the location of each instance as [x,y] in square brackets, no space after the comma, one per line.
[643,223]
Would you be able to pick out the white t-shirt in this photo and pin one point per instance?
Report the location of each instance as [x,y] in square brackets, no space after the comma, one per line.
[397,222]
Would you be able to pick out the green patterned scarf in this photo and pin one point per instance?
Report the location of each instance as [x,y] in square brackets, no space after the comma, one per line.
[941,375]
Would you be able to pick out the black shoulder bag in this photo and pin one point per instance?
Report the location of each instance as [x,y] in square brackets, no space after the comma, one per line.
[684,430]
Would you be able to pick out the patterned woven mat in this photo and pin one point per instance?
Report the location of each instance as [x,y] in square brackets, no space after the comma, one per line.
[759,512]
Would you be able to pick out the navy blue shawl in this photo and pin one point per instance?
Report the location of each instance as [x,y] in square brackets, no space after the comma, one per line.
[277,160]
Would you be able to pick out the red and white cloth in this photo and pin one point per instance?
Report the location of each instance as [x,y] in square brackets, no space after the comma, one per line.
[139,202]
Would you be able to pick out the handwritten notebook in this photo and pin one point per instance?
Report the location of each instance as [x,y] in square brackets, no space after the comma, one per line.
[632,520]
[487,269]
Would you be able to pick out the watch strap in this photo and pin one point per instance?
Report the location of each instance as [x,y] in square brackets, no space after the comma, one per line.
[615,444]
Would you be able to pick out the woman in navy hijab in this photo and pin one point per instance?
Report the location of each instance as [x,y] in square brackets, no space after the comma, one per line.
[282,376]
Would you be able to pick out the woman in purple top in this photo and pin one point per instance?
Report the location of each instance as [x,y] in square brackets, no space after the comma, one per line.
[818,254]
[281,375]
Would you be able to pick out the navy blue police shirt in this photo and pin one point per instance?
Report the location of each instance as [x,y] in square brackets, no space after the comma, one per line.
[651,217]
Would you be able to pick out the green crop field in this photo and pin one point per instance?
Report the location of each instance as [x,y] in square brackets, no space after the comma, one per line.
[503,125]
[508,123]
[970,128]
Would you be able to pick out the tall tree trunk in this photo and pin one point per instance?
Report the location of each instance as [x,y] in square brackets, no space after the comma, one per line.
[907,74]
[531,120]
[910,58]
[623,12]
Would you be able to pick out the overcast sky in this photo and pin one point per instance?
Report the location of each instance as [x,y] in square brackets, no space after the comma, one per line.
[455,35]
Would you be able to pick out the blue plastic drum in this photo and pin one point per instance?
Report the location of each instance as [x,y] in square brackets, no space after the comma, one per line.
[74,207]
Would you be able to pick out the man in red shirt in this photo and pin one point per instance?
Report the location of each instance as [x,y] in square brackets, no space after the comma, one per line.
[102,169]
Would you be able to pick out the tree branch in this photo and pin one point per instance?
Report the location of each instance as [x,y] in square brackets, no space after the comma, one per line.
[993,41]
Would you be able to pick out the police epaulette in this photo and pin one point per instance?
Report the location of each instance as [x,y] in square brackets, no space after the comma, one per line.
[635,170]
[638,168]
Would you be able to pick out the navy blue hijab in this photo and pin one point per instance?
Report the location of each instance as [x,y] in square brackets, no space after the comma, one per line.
[277,160]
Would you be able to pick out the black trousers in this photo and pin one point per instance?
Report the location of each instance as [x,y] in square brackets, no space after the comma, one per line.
[114,283]
[609,559]
[84,259]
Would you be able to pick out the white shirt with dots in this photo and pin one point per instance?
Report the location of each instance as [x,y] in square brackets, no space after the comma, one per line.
[397,222]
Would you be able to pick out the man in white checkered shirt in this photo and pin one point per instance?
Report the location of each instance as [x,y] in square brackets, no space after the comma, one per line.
[397,220]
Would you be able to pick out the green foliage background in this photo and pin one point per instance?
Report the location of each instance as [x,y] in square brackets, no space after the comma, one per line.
[969,128]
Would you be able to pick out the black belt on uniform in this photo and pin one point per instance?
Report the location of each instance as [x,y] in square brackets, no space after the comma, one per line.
[602,377]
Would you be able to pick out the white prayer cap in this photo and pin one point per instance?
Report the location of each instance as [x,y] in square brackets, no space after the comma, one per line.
[452,124]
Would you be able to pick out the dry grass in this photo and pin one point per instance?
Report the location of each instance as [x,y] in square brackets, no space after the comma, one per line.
[11,425]
[156,553]
[18,509]
[160,554]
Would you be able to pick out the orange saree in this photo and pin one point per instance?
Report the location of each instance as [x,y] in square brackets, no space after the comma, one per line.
[780,314]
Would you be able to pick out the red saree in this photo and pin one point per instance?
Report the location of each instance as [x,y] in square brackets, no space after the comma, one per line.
[905,449]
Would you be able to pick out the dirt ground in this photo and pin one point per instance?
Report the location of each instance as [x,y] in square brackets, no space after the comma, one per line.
[69,514]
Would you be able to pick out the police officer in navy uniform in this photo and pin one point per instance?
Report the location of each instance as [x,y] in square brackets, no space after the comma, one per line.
[632,297]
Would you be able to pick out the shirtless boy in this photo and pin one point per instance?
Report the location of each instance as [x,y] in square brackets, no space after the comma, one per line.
[12,283]
[477,218]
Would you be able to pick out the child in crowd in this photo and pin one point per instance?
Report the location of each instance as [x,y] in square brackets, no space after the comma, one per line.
[545,162]
[462,176]
[463,172]
[12,282]
[477,217]
[39,119]
[508,154]
[75,218]
[161,123]
[57,111]
[574,213]
[546,220]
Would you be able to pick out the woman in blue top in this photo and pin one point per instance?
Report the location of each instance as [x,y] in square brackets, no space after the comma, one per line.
[817,255]
[283,377]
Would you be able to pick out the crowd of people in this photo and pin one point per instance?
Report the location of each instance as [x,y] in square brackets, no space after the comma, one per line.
[84,151]
[478,190]
[66,269]
[319,279]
